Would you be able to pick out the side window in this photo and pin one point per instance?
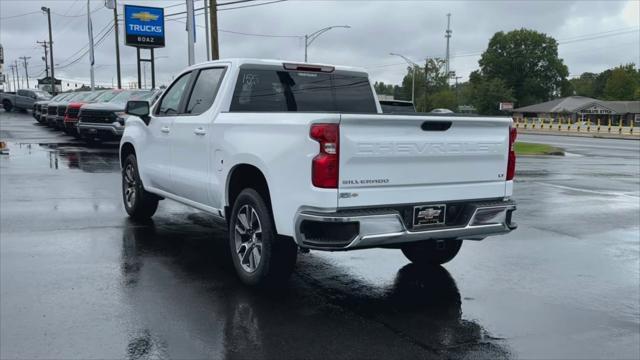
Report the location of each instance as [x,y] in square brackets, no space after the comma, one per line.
[22,93]
[258,90]
[171,101]
[205,90]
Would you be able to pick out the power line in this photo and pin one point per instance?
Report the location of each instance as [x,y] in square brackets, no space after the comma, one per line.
[227,3]
[98,42]
[244,33]
[100,7]
[247,6]
[19,15]
[85,47]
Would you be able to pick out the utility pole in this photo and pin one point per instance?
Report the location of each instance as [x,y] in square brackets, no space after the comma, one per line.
[53,76]
[190,30]
[46,62]
[13,73]
[115,24]
[20,82]
[26,72]
[92,59]
[213,19]
[448,36]
[206,28]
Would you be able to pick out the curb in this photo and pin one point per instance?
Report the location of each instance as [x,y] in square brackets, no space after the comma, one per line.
[596,136]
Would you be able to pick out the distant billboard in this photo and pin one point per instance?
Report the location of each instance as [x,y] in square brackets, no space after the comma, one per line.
[144,26]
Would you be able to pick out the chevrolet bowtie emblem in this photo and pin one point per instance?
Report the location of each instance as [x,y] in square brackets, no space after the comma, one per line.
[429,213]
[144,16]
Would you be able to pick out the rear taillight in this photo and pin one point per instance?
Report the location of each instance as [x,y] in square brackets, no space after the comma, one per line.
[511,164]
[325,165]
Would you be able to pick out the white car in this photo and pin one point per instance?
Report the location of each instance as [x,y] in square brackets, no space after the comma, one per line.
[300,155]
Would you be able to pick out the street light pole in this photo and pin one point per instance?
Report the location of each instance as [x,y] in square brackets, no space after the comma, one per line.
[413,80]
[53,81]
[309,38]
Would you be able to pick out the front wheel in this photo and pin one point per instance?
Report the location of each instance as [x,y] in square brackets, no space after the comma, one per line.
[432,252]
[7,105]
[260,256]
[140,204]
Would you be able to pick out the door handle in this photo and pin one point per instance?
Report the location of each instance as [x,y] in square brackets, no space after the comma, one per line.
[200,131]
[165,129]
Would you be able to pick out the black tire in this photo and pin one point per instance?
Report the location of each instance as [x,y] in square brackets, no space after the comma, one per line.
[432,252]
[7,105]
[139,204]
[268,259]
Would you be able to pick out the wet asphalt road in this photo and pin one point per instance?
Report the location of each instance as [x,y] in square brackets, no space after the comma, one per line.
[78,280]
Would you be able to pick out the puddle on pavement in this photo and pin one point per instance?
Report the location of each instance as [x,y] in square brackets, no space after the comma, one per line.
[60,156]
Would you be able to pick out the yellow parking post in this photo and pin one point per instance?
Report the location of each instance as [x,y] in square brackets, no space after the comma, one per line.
[560,123]
[589,125]
[609,126]
[620,125]
[525,122]
[631,127]
[598,128]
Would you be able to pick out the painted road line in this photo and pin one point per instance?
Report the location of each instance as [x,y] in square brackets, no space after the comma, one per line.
[599,192]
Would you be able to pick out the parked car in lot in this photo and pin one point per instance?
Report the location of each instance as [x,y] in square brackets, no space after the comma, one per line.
[105,121]
[23,99]
[61,112]
[300,155]
[397,107]
[73,109]
[54,108]
[41,107]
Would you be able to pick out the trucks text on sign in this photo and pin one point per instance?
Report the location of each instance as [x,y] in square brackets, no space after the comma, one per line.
[144,26]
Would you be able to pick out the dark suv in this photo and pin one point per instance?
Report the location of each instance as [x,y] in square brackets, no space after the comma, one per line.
[105,121]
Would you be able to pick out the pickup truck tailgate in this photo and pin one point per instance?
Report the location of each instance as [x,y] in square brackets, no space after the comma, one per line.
[394,159]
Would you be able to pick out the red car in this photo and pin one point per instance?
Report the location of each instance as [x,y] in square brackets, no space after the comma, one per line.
[73,109]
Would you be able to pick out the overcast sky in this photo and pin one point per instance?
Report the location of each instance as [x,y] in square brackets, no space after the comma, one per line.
[593,35]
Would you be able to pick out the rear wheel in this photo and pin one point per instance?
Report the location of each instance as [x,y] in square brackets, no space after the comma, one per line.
[432,252]
[140,204]
[260,256]
[7,105]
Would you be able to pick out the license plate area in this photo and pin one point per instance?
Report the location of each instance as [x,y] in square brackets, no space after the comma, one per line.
[429,215]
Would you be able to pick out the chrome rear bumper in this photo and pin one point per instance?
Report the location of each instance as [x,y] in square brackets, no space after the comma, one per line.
[381,228]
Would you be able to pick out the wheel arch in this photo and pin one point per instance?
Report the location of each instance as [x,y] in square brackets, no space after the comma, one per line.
[242,176]
[126,149]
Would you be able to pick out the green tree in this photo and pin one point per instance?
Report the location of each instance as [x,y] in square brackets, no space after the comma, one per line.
[382,88]
[584,85]
[445,98]
[486,94]
[527,62]
[599,83]
[622,83]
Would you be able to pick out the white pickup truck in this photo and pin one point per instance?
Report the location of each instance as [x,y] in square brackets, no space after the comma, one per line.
[301,156]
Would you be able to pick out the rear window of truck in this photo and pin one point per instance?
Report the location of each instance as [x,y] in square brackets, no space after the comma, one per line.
[265,90]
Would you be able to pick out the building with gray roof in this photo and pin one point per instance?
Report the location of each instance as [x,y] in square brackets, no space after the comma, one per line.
[581,108]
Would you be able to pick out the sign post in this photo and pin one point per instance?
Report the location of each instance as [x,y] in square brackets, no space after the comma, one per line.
[144,28]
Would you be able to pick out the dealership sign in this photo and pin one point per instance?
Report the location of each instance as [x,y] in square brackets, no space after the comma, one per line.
[144,26]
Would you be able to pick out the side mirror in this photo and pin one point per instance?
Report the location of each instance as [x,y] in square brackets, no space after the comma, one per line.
[139,109]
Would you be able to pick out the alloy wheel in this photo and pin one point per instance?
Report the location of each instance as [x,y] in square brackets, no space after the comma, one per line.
[248,238]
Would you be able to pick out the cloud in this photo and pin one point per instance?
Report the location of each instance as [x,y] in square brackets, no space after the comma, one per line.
[412,28]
